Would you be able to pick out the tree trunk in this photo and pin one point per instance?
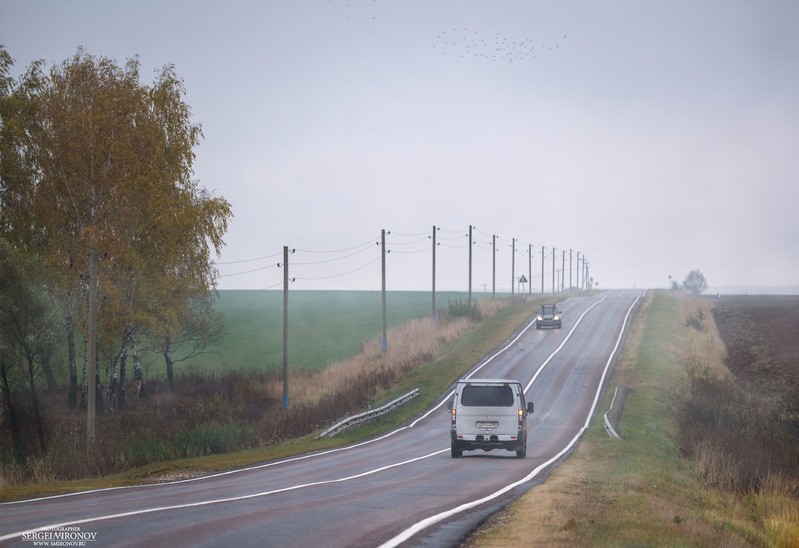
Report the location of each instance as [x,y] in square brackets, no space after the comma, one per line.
[122,380]
[138,373]
[84,390]
[112,385]
[37,411]
[99,409]
[170,370]
[11,411]
[44,361]
[72,398]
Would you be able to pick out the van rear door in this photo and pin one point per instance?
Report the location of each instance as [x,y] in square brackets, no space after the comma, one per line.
[487,409]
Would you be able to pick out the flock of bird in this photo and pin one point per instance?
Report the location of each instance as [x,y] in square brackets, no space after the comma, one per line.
[457,42]
[466,43]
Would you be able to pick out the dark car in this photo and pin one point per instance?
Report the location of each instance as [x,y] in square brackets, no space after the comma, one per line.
[549,316]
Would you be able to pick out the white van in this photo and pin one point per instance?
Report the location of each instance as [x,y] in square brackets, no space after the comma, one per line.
[489,414]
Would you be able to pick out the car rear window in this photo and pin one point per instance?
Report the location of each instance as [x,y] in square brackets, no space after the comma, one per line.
[487,396]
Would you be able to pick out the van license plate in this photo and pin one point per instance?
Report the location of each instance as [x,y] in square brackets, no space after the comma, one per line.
[486,425]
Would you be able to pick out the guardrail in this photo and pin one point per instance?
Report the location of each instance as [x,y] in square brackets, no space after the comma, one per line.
[368,415]
[615,413]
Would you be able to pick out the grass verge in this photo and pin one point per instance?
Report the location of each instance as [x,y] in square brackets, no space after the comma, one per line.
[640,490]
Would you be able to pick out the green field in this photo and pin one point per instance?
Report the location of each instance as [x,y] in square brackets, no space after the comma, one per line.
[324,326]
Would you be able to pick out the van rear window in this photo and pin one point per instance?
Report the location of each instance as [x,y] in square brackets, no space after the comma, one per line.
[487,396]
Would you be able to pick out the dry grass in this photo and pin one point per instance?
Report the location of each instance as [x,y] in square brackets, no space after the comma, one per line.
[410,345]
[704,349]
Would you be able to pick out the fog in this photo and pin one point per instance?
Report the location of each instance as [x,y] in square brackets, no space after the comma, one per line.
[652,138]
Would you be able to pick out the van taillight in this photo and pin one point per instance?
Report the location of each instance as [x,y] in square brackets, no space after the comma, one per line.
[453,416]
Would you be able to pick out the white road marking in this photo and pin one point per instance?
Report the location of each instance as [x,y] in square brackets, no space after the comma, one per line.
[425,523]
[107,517]
[562,344]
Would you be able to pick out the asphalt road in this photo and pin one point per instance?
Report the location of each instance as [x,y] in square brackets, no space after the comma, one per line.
[400,488]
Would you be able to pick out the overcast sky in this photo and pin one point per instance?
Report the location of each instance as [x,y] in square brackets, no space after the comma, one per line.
[652,137]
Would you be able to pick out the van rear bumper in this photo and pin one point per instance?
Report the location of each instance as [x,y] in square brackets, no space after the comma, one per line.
[487,442]
[484,437]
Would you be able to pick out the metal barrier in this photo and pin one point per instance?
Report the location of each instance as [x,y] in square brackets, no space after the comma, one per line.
[368,415]
[615,412]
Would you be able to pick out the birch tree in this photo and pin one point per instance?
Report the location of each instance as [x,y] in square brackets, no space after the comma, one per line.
[111,168]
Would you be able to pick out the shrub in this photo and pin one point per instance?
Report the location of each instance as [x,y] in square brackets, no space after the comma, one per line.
[697,320]
[738,439]
[212,437]
[464,309]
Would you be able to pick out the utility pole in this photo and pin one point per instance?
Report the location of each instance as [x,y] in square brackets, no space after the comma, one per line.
[384,343]
[494,266]
[512,266]
[553,270]
[542,269]
[570,269]
[530,268]
[562,269]
[470,265]
[285,327]
[578,270]
[434,272]
[588,278]
[91,366]
[585,274]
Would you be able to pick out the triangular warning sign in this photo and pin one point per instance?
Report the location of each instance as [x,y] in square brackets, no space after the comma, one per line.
[522,280]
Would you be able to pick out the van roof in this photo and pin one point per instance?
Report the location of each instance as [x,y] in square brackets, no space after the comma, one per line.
[489,381]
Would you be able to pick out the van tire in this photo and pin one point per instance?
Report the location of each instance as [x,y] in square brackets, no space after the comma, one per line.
[455,451]
[521,452]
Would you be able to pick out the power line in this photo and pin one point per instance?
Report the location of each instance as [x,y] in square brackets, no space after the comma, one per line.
[394,233]
[247,271]
[333,259]
[369,242]
[426,238]
[247,260]
[421,250]
[342,274]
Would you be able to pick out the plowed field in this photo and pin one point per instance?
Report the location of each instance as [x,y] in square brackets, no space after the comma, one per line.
[761,334]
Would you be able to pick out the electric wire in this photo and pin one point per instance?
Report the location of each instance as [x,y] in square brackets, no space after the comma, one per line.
[408,252]
[426,238]
[247,260]
[248,271]
[409,235]
[369,242]
[294,263]
[338,275]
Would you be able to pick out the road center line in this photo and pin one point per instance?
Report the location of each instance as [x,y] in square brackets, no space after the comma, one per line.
[432,520]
